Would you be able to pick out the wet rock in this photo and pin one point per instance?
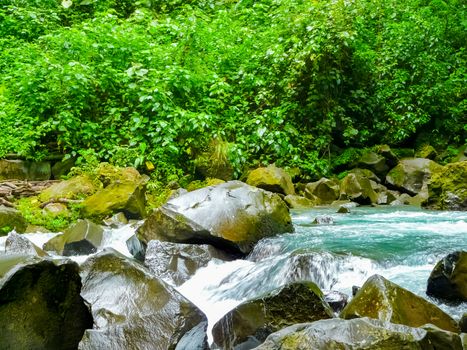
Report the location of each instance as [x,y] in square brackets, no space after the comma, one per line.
[272,179]
[355,290]
[323,220]
[24,170]
[360,333]
[194,339]
[358,189]
[441,339]
[136,248]
[40,304]
[132,309]
[74,188]
[177,193]
[251,322]
[81,238]
[403,199]
[18,244]
[343,210]
[11,219]
[463,323]
[336,300]
[374,162]
[299,202]
[325,189]
[448,280]
[176,262]
[231,216]
[447,189]
[386,197]
[381,299]
[117,220]
[412,175]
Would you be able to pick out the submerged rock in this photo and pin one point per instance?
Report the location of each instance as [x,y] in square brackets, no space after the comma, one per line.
[132,309]
[381,299]
[448,280]
[272,179]
[447,189]
[356,334]
[323,220]
[18,244]
[251,322]
[81,238]
[11,219]
[231,216]
[176,262]
[40,304]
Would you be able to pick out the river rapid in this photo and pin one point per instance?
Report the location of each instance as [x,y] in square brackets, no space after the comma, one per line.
[400,243]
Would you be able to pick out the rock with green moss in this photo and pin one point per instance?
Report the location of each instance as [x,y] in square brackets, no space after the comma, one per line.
[381,299]
[447,189]
[231,216]
[448,280]
[74,188]
[365,173]
[412,175]
[251,322]
[24,170]
[374,162]
[358,189]
[299,202]
[356,334]
[127,197]
[426,151]
[81,238]
[108,174]
[11,219]
[463,323]
[18,244]
[326,190]
[271,178]
[40,304]
[131,308]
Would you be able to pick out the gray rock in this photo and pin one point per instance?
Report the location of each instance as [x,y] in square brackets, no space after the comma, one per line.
[323,220]
[325,190]
[18,244]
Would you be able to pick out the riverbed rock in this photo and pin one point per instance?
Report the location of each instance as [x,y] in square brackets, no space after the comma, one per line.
[74,188]
[326,190]
[271,178]
[176,262]
[356,334]
[412,175]
[374,162]
[18,244]
[195,339]
[323,220]
[81,238]
[336,300]
[365,173]
[24,170]
[11,219]
[447,189]
[231,216]
[252,321]
[343,210]
[299,202]
[381,299]
[358,189]
[448,280]
[132,309]
[40,304]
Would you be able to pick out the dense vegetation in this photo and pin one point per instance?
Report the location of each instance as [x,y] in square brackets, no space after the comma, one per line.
[285,81]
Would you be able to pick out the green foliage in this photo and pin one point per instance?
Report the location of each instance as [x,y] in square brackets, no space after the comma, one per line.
[278,80]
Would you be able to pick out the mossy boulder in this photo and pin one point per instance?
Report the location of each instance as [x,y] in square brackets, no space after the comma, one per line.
[299,202]
[412,175]
[447,189]
[271,178]
[326,190]
[74,188]
[24,170]
[131,308]
[374,162]
[40,304]
[381,299]
[231,216]
[448,280]
[18,244]
[108,174]
[81,238]
[365,173]
[358,189]
[125,196]
[11,219]
[252,321]
[356,334]
[426,151]
[177,262]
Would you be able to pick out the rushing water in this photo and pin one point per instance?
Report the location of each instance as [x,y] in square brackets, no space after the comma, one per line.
[400,243]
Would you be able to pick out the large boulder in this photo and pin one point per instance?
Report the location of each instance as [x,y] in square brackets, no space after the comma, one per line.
[356,334]
[251,322]
[11,219]
[18,244]
[381,299]
[24,170]
[132,309]
[299,202]
[447,189]
[272,179]
[177,262]
[426,151]
[448,280]
[358,189]
[232,216]
[412,175]
[374,162]
[74,188]
[81,238]
[40,304]
[326,190]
